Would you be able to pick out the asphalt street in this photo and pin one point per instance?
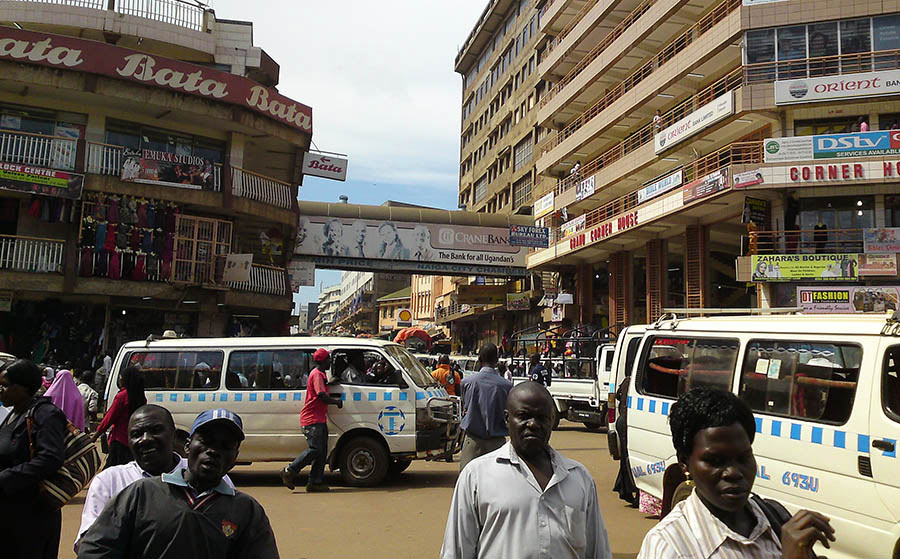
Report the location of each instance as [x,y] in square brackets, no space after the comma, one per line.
[404,518]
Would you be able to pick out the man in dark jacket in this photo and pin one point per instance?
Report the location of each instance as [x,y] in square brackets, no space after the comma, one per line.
[538,373]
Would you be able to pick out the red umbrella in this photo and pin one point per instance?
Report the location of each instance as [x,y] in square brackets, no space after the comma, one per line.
[413,332]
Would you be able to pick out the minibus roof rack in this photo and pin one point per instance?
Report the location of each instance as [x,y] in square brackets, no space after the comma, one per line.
[674,313]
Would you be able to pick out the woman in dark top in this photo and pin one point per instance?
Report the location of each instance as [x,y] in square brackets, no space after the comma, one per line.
[624,484]
[30,527]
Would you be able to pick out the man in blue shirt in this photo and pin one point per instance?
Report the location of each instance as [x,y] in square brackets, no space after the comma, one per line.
[539,373]
[484,397]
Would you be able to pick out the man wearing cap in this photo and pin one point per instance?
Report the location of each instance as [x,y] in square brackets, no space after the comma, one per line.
[314,421]
[187,512]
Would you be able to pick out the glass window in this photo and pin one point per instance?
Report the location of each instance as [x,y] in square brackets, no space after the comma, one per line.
[823,39]
[178,370]
[887,32]
[358,366]
[760,46]
[815,381]
[792,43]
[673,365]
[420,376]
[268,369]
[856,36]
[890,383]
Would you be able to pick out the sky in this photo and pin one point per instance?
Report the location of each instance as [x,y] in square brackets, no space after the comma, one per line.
[379,78]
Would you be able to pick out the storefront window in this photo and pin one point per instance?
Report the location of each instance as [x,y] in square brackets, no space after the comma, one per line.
[833,225]
[824,126]
[135,136]
[890,121]
[760,46]
[887,32]
[856,37]
[823,42]
[892,211]
[792,43]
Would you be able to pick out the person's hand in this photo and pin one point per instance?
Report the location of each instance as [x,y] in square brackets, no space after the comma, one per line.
[340,404]
[95,437]
[802,531]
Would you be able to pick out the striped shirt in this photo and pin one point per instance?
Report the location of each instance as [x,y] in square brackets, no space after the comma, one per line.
[691,531]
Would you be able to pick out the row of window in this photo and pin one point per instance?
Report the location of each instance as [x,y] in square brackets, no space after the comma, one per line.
[798,379]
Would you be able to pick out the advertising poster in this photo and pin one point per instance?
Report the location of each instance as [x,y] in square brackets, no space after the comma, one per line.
[661,186]
[35,180]
[846,86]
[302,274]
[848,299]
[529,236]
[796,267]
[707,186]
[877,264]
[573,226]
[858,144]
[705,116]
[402,246]
[518,302]
[748,178]
[543,205]
[481,294]
[794,148]
[557,313]
[237,268]
[885,239]
[584,189]
[168,169]
[6,301]
[756,210]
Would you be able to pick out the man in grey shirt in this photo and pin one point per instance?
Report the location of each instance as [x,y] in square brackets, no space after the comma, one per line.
[484,397]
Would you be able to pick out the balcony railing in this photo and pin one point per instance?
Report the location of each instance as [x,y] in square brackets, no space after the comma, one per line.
[738,153]
[822,66]
[569,27]
[665,54]
[106,159]
[267,280]
[31,254]
[806,241]
[174,12]
[52,152]
[260,188]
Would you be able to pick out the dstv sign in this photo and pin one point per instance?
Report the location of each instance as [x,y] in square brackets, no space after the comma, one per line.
[863,144]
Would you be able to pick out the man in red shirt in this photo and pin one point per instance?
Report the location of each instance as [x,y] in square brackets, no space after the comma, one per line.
[314,420]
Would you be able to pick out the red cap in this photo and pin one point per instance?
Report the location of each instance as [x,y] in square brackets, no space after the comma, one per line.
[320,355]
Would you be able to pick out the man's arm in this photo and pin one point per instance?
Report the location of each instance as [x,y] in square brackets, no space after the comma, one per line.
[595,530]
[257,540]
[97,496]
[463,530]
[317,385]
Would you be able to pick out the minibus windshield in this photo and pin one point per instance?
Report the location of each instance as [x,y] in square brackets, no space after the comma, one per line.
[411,365]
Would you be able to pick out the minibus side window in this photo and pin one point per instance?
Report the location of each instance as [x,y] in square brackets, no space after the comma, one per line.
[890,383]
[672,366]
[357,366]
[178,370]
[800,379]
[268,369]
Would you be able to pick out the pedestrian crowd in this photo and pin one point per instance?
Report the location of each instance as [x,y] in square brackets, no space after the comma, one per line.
[515,498]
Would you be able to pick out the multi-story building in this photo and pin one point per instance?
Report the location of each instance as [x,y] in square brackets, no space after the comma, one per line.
[357,309]
[662,114]
[140,145]
[389,308]
[500,90]
[329,300]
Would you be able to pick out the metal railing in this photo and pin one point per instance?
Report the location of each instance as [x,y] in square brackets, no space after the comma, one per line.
[31,254]
[610,38]
[175,12]
[644,135]
[738,153]
[665,54]
[52,152]
[441,313]
[254,186]
[762,72]
[106,159]
[806,241]
[552,44]
[267,280]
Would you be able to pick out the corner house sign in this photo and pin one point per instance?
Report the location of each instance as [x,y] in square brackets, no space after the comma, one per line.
[69,53]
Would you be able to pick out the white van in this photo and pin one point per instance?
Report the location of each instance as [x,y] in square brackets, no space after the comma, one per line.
[627,343]
[386,421]
[825,391]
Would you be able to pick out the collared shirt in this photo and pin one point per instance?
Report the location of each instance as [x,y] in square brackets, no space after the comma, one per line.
[691,531]
[499,511]
[541,374]
[484,399]
[110,482]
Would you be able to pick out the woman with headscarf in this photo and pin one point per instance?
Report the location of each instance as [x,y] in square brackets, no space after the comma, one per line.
[65,395]
[30,528]
[129,398]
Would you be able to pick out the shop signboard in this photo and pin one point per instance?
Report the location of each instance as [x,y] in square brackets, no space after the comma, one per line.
[661,186]
[851,299]
[481,294]
[830,88]
[756,211]
[584,188]
[878,264]
[704,117]
[882,239]
[792,148]
[557,313]
[858,144]
[408,247]
[748,178]
[518,301]
[529,236]
[95,57]
[404,318]
[37,180]
[324,165]
[237,268]
[543,205]
[302,274]
[573,226]
[150,166]
[6,301]
[798,267]
[707,186]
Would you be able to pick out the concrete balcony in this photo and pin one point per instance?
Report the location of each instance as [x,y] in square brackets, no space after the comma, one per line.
[254,186]
[50,152]
[106,159]
[31,254]
[266,280]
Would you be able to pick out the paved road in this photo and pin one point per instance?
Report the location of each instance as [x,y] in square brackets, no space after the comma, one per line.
[402,519]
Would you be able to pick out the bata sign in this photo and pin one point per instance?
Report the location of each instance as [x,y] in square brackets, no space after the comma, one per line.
[847,86]
[705,116]
[325,166]
[69,53]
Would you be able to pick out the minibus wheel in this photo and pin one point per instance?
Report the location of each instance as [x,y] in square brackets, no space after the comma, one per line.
[594,427]
[398,466]
[364,462]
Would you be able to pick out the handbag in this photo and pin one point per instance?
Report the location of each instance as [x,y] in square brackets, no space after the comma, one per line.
[81,461]
[776,514]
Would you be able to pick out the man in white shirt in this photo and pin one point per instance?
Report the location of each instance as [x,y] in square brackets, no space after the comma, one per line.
[91,399]
[525,500]
[151,436]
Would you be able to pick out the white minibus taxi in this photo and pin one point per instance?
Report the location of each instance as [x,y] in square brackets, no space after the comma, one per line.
[391,416]
[826,395]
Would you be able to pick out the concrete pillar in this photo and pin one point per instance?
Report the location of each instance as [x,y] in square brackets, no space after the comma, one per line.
[879,211]
[234,157]
[696,266]
[621,268]
[584,285]
[657,270]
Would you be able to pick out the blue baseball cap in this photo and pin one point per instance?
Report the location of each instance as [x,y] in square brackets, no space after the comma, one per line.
[226,417]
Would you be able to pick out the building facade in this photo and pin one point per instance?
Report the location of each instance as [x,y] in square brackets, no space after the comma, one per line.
[329,300]
[693,141]
[389,308]
[357,311]
[139,148]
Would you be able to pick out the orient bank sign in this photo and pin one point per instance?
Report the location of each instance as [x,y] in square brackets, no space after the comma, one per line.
[845,86]
[83,55]
[324,165]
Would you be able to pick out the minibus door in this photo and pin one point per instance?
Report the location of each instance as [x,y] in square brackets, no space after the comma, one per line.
[884,431]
